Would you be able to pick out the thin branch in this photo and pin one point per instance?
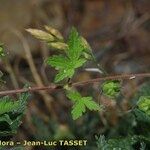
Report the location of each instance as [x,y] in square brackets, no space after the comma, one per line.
[33,89]
[55,87]
[115,77]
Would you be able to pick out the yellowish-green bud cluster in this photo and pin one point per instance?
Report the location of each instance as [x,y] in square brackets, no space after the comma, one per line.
[144,104]
[53,37]
[111,88]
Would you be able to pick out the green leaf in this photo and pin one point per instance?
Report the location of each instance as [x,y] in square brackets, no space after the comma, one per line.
[23,99]
[5,118]
[7,105]
[16,122]
[79,63]
[90,104]
[9,124]
[65,66]
[58,61]
[71,60]
[74,96]
[78,109]
[141,116]
[121,143]
[75,45]
[101,142]
[81,103]
[64,74]
[115,143]
[11,113]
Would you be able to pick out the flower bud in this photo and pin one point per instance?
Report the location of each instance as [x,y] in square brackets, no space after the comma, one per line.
[42,35]
[1,51]
[58,45]
[87,48]
[111,88]
[85,44]
[54,32]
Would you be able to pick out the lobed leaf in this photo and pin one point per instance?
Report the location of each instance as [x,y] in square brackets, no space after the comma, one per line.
[90,104]
[81,103]
[7,105]
[11,113]
[115,143]
[58,61]
[78,109]
[79,63]
[64,74]
[66,65]
[23,99]
[74,96]
[75,45]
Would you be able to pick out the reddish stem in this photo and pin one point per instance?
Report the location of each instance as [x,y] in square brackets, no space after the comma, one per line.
[55,87]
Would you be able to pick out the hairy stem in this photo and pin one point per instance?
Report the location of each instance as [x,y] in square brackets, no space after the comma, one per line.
[55,87]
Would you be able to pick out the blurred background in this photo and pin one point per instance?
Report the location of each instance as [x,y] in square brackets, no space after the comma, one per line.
[118,32]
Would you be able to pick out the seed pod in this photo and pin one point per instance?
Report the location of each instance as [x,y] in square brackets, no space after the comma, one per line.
[42,35]
[54,32]
[58,45]
[144,104]
[111,88]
